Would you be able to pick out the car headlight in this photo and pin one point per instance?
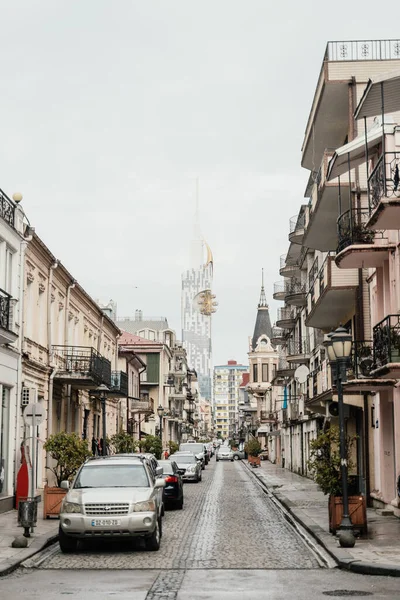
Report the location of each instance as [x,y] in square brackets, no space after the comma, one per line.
[191,469]
[149,506]
[71,507]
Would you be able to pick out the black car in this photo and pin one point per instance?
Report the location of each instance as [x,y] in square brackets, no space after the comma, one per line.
[173,490]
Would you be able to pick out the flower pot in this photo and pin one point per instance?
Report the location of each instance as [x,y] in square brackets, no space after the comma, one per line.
[254,460]
[357,513]
[52,498]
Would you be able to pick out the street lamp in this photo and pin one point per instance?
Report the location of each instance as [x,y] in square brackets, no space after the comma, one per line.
[338,346]
[160,412]
[102,392]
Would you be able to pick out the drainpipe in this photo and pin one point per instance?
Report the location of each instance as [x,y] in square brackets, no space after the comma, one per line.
[50,350]
[366,449]
[66,343]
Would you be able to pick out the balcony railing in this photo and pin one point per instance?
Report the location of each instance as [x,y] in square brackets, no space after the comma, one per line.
[141,406]
[352,228]
[7,209]
[386,341]
[285,314]
[119,383]
[278,335]
[384,180]
[297,347]
[5,306]
[297,222]
[82,363]
[356,50]
[362,360]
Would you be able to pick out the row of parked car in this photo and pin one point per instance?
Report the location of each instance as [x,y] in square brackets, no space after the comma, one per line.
[126,495]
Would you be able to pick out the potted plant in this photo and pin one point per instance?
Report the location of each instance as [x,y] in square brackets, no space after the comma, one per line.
[123,443]
[68,452]
[324,465]
[253,449]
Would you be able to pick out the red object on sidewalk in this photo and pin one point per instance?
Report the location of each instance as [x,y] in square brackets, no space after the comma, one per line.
[22,490]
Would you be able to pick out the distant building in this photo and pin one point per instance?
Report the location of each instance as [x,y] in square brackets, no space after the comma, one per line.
[227,381]
[155,329]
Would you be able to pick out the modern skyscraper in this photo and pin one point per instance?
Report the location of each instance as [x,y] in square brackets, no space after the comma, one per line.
[198,305]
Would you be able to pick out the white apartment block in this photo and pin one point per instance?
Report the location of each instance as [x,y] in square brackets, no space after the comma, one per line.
[227,380]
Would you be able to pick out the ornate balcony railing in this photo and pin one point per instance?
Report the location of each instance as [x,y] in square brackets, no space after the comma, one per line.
[386,339]
[353,230]
[362,360]
[313,273]
[355,50]
[82,362]
[119,383]
[285,313]
[297,222]
[5,308]
[7,209]
[297,347]
[384,180]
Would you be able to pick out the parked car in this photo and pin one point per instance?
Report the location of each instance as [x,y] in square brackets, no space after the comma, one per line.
[196,449]
[112,496]
[224,453]
[189,467]
[238,454]
[153,465]
[173,490]
[263,455]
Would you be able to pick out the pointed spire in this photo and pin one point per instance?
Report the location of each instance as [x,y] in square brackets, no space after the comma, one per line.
[263,299]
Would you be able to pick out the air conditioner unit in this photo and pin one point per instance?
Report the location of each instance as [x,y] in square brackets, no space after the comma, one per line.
[332,410]
[28,396]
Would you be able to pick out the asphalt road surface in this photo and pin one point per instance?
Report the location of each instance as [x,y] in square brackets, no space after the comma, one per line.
[229,542]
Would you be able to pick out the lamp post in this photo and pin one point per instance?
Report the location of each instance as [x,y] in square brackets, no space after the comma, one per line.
[338,346]
[160,412]
[102,392]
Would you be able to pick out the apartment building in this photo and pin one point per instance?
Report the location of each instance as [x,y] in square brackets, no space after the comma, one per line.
[14,236]
[340,268]
[227,380]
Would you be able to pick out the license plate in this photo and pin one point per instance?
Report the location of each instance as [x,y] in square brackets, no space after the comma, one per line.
[105,522]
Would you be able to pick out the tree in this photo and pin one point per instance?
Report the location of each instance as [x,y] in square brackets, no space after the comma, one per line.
[173,447]
[123,443]
[152,444]
[253,447]
[69,452]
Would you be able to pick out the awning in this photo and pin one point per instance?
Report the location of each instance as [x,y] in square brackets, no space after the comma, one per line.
[355,150]
[274,433]
[263,429]
[370,104]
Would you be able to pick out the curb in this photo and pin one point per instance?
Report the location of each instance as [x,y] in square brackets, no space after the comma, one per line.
[343,559]
[37,546]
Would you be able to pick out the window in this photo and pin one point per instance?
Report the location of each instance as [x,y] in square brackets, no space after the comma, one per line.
[4,428]
[265,372]
[255,373]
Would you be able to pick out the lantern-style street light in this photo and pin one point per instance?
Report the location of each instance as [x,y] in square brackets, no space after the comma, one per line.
[160,412]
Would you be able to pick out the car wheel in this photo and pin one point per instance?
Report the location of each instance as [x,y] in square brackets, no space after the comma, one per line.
[179,504]
[235,457]
[217,460]
[153,542]
[67,544]
[162,509]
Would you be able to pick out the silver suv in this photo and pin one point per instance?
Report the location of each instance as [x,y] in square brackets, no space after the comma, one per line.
[113,497]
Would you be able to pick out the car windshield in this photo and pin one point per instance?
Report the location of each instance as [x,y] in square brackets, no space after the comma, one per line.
[186,459]
[195,448]
[166,467]
[112,475]
[224,449]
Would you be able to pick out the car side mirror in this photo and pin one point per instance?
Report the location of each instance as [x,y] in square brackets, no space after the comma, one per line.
[159,471]
[160,483]
[65,485]
[181,472]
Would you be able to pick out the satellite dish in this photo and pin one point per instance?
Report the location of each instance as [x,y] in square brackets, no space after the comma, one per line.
[301,373]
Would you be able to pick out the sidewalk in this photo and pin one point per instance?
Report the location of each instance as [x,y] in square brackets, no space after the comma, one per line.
[376,554]
[45,533]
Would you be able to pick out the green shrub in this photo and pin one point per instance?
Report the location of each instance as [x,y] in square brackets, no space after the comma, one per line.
[173,447]
[69,451]
[123,443]
[253,447]
[151,443]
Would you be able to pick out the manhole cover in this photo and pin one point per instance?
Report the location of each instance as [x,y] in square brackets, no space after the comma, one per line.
[338,593]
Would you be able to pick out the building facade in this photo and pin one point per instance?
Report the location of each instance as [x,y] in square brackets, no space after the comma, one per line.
[227,381]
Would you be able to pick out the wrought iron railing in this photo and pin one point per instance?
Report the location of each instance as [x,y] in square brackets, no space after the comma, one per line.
[384,180]
[5,308]
[279,288]
[286,314]
[355,50]
[313,273]
[298,347]
[294,286]
[297,222]
[386,339]
[352,228]
[83,361]
[7,209]
[362,360]
[119,382]
[278,334]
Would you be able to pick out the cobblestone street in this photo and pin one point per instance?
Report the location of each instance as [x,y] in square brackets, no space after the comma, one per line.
[226,519]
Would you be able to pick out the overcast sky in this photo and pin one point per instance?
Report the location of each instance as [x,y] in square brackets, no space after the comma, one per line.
[110,110]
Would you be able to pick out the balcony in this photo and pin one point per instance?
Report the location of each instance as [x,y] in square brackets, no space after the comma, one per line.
[81,366]
[279,291]
[386,339]
[278,336]
[143,407]
[362,365]
[285,369]
[286,317]
[384,193]
[7,336]
[295,292]
[321,226]
[319,388]
[332,296]
[298,351]
[297,226]
[119,384]
[7,209]
[359,246]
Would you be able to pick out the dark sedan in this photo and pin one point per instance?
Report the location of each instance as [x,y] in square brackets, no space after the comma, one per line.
[173,490]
